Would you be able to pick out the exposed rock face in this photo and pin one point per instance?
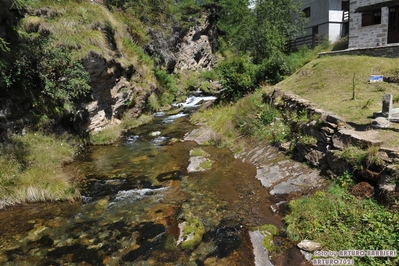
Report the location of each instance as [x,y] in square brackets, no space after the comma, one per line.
[195,50]
[110,91]
[186,49]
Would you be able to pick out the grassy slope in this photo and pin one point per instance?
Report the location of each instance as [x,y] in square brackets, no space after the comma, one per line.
[328,82]
[31,165]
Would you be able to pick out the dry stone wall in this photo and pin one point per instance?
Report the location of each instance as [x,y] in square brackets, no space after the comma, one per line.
[334,134]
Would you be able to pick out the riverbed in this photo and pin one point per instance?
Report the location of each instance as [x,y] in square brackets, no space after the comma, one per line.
[135,195]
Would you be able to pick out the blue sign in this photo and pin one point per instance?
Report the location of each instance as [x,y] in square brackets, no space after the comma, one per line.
[376,78]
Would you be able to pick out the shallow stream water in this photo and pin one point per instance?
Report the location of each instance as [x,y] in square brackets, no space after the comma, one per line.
[133,196]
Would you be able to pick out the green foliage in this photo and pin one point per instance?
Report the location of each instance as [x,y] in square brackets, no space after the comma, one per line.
[257,30]
[360,158]
[19,4]
[47,75]
[208,75]
[106,136]
[153,102]
[166,80]
[341,222]
[238,77]
[262,121]
[150,12]
[4,45]
[63,79]
[274,68]
[345,180]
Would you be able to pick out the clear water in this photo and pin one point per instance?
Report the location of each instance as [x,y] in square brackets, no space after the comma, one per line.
[133,195]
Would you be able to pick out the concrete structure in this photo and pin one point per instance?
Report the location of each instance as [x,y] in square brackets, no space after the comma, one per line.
[327,19]
[373,23]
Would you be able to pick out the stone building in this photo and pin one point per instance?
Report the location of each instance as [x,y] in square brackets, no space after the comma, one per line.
[373,23]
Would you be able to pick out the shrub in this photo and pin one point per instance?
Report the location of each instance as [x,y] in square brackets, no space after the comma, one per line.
[273,69]
[238,77]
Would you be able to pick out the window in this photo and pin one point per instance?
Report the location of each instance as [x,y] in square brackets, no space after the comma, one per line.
[371,17]
[306,11]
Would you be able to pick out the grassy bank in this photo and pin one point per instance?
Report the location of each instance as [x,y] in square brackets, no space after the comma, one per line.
[31,170]
[339,221]
[333,217]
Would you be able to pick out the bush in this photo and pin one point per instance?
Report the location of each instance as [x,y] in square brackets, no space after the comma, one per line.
[238,77]
[273,69]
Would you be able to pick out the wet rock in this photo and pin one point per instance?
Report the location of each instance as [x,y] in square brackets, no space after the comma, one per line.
[201,135]
[299,182]
[276,208]
[155,133]
[36,233]
[260,252]
[227,239]
[309,245]
[199,162]
[191,232]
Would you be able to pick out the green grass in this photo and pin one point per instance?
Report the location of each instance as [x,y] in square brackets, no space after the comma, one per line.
[339,221]
[31,170]
[249,117]
[329,81]
[87,28]
[111,133]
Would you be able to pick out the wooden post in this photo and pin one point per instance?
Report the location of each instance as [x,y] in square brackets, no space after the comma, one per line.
[353,88]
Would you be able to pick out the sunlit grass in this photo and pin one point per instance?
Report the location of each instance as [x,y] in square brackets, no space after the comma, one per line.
[31,170]
[87,29]
[111,133]
[339,221]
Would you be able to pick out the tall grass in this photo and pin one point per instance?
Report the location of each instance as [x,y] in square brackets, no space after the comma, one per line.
[248,117]
[88,28]
[31,170]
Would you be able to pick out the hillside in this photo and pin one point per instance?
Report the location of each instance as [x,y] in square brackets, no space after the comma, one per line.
[87,66]
[328,82]
[80,72]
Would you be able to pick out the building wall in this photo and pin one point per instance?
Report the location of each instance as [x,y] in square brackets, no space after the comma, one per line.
[367,36]
[327,15]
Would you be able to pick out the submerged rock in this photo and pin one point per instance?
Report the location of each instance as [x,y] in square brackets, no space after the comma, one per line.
[199,161]
[191,232]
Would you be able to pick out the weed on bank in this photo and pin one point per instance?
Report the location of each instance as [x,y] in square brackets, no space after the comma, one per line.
[339,221]
[31,170]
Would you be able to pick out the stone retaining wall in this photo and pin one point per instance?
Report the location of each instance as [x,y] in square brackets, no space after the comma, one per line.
[389,51]
[334,134]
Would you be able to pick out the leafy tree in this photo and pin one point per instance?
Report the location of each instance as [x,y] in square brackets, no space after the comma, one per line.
[261,27]
[46,76]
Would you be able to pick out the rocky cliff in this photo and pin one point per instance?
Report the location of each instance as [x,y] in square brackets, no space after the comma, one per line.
[112,85]
[118,82]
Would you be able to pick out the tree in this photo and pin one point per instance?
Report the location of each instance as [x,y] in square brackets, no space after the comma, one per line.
[261,27]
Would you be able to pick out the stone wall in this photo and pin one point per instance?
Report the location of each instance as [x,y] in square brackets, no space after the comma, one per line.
[389,51]
[367,36]
[334,134]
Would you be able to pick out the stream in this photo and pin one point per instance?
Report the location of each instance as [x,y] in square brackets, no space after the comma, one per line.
[135,194]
